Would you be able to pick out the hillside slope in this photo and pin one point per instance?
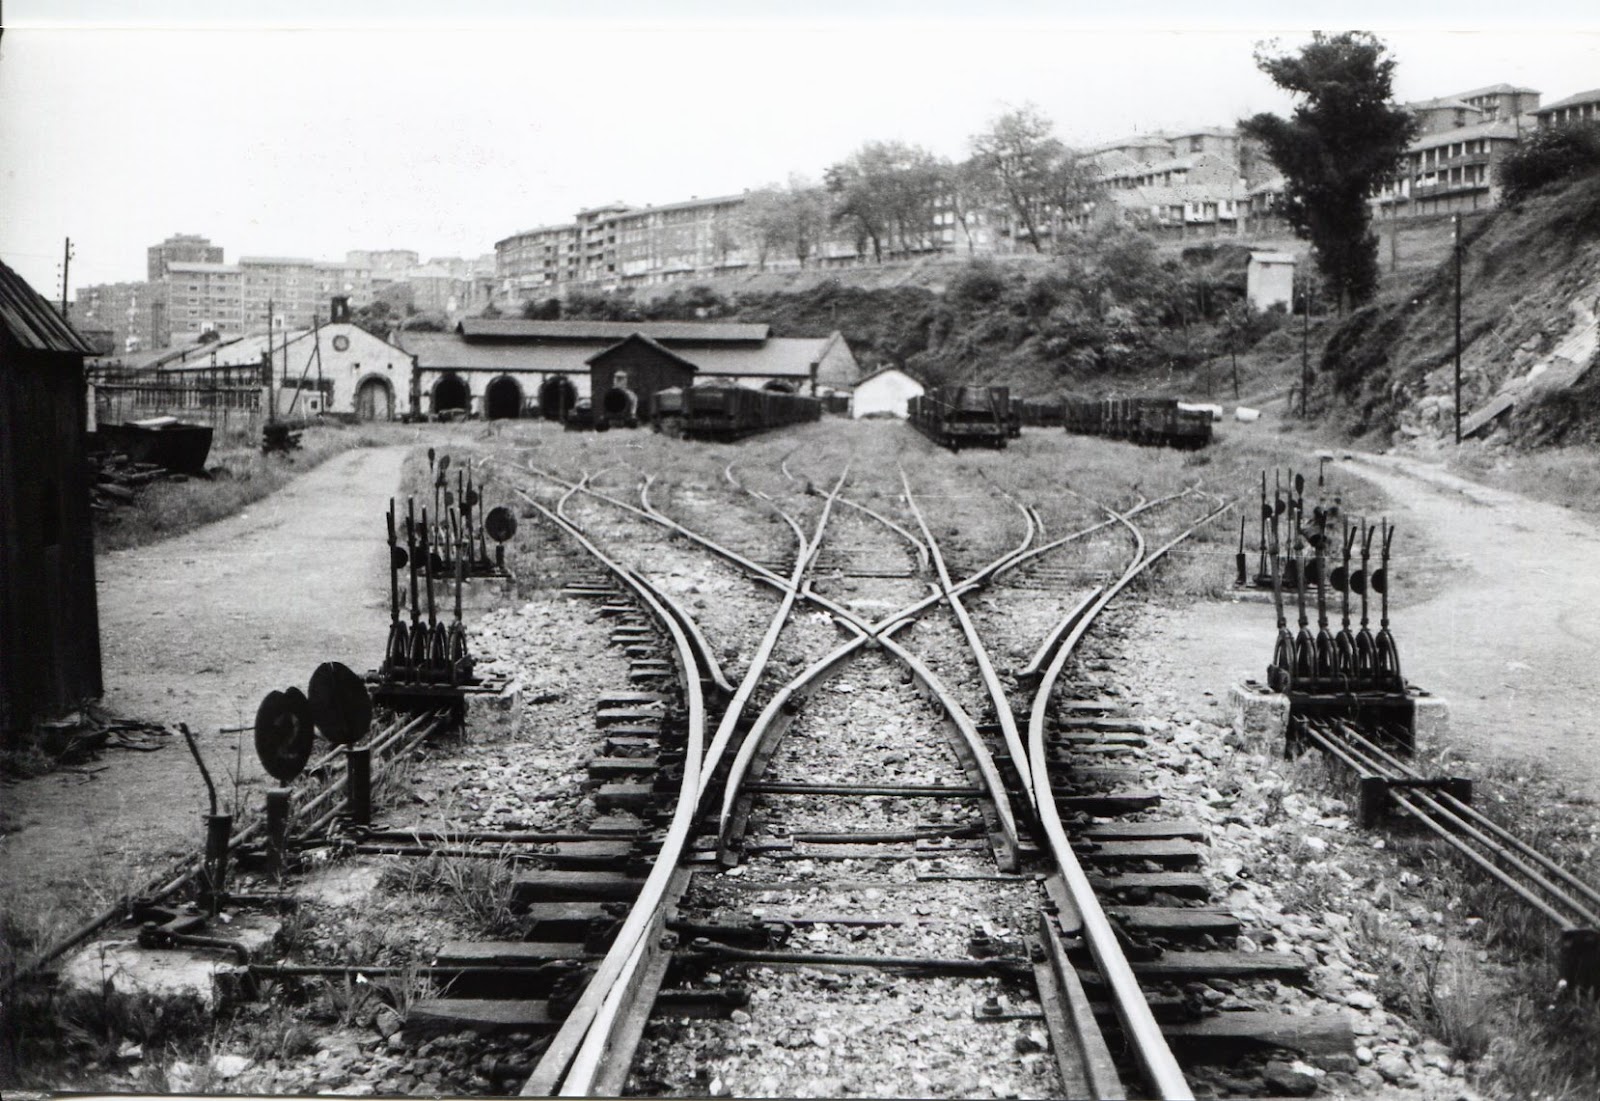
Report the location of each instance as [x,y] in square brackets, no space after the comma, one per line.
[1530,295]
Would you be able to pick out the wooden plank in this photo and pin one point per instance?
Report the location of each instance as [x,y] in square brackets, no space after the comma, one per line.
[1106,725]
[485,1016]
[1174,921]
[620,768]
[1189,966]
[1108,805]
[1169,854]
[610,700]
[907,790]
[624,716]
[508,953]
[1225,1036]
[565,886]
[1165,829]
[627,797]
[1082,1058]
[1178,884]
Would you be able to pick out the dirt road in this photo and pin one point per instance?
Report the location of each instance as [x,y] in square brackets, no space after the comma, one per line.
[197,629]
[1513,640]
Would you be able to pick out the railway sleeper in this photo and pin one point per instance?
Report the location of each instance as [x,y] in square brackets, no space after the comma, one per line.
[1163,853]
[1183,966]
[574,886]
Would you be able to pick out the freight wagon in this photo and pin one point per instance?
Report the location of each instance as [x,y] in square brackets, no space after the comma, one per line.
[964,416]
[728,412]
[1154,422]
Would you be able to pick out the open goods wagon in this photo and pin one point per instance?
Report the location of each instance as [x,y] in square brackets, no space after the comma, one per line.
[1154,422]
[964,416]
[728,412]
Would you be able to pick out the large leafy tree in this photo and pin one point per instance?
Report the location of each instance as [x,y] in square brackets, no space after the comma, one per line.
[889,194]
[1037,178]
[1343,141]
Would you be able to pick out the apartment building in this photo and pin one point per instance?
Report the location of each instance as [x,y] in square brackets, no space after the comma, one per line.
[1581,108]
[183,248]
[127,310]
[1452,165]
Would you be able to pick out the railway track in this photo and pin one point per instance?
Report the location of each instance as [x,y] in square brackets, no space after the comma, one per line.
[968,821]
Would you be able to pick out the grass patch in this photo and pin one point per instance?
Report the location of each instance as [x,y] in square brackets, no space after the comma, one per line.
[239,476]
[1565,476]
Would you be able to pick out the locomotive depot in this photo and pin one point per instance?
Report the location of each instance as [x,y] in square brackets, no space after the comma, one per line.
[840,639]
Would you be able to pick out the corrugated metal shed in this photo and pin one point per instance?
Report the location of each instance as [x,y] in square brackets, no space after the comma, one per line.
[33,322]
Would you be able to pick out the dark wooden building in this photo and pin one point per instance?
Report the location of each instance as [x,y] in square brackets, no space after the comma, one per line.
[625,376]
[49,622]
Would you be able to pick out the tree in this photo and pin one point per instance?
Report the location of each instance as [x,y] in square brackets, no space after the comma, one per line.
[1038,179]
[1344,141]
[1551,154]
[889,194]
[788,220]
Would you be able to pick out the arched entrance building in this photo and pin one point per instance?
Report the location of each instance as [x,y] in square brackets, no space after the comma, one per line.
[374,399]
[451,393]
[502,399]
[557,396]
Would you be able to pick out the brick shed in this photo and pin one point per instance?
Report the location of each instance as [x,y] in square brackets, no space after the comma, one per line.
[49,621]
[638,366]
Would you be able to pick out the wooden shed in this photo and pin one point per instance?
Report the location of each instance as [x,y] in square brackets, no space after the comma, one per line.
[639,367]
[49,622]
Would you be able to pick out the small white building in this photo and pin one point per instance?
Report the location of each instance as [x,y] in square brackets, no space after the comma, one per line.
[887,391]
[1269,280]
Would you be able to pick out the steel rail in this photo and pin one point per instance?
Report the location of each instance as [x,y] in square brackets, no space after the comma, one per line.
[597,1043]
[1370,759]
[1155,1057]
[556,1066]
[804,558]
[980,652]
[1483,821]
[1362,765]
[917,546]
[706,657]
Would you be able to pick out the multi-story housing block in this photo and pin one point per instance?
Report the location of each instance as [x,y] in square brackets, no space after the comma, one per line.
[127,310]
[1502,101]
[202,297]
[1451,166]
[1581,108]
[183,248]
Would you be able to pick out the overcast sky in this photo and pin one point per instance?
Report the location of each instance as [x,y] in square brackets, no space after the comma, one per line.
[310,129]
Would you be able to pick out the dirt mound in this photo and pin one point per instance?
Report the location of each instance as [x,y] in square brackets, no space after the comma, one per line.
[1530,288]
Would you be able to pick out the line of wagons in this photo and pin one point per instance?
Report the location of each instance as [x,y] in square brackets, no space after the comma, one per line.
[697,412]
[987,416]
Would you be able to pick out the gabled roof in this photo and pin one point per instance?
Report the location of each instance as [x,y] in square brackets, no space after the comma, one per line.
[1591,96]
[791,357]
[33,322]
[640,338]
[1497,90]
[884,371]
[1499,128]
[609,332]
[246,351]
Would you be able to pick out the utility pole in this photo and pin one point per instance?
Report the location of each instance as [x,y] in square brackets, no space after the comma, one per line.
[1457,221]
[272,370]
[1305,341]
[66,262]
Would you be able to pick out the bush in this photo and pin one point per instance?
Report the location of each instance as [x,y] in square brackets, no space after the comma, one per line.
[1550,155]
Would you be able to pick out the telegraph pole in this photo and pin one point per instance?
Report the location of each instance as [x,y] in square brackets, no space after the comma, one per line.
[66,261]
[1457,221]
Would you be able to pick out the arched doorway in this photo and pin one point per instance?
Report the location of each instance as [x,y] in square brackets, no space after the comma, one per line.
[375,399]
[451,393]
[503,399]
[557,397]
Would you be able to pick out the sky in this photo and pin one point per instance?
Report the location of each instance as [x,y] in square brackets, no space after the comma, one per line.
[301,129]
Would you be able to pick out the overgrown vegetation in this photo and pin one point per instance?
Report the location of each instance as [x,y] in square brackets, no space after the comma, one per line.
[1096,317]
[1552,154]
[1523,267]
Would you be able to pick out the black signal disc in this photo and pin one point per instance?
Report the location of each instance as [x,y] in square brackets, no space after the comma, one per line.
[340,705]
[501,523]
[284,733]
